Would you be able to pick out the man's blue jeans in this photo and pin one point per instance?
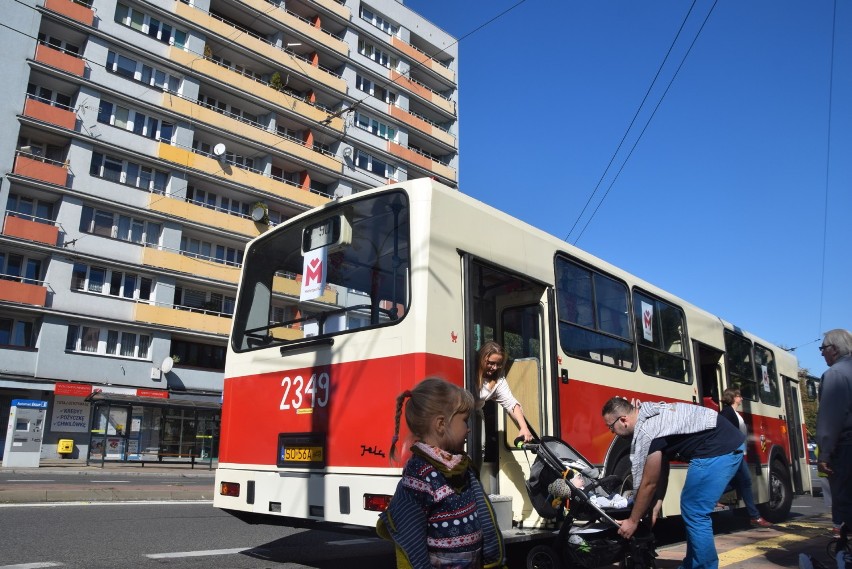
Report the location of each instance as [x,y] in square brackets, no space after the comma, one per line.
[706,480]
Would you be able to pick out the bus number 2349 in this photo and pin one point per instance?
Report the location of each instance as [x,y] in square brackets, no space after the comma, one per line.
[297,391]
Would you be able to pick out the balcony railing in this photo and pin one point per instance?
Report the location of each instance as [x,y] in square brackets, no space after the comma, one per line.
[23,290]
[31,228]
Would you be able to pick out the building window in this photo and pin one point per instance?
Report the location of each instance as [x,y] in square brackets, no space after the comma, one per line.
[118,226]
[110,282]
[218,253]
[200,300]
[142,72]
[14,267]
[199,355]
[30,208]
[381,57]
[135,122]
[146,24]
[128,173]
[378,21]
[106,341]
[19,333]
[369,163]
[378,128]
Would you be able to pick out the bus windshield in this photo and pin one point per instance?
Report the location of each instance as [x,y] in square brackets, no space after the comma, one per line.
[365,244]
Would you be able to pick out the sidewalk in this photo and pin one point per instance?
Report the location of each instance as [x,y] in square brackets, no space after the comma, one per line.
[69,480]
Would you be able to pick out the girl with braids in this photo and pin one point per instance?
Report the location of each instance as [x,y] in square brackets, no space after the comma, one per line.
[439,516]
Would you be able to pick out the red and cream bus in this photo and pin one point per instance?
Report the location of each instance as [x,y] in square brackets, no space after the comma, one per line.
[345,306]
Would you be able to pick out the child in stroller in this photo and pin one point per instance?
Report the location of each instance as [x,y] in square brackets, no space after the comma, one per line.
[565,487]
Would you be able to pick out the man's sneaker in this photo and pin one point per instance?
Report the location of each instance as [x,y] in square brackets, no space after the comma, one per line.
[760,523]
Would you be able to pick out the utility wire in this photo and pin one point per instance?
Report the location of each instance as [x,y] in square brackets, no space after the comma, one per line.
[648,122]
[633,120]
[827,167]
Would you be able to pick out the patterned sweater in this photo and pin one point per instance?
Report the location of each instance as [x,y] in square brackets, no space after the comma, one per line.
[439,516]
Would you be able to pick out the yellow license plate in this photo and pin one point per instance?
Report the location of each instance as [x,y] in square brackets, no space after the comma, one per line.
[303,454]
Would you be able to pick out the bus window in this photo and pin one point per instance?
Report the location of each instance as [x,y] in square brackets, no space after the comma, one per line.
[593,315]
[367,275]
[740,369]
[661,336]
[764,364]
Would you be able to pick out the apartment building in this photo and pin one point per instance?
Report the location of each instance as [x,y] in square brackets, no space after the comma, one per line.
[143,143]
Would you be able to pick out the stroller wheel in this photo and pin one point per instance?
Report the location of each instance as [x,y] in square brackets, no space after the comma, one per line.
[542,557]
[629,563]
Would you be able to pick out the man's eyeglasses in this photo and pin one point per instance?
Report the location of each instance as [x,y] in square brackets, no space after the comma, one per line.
[612,425]
[821,348]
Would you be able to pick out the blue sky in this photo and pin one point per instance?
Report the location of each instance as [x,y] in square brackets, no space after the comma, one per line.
[723,200]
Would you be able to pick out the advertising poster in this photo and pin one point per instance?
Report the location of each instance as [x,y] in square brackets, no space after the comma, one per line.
[70,415]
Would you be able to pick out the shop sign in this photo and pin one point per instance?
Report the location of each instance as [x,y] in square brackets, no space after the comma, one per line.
[159,393]
[73,389]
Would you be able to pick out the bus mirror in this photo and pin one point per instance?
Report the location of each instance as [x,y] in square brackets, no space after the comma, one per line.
[811,387]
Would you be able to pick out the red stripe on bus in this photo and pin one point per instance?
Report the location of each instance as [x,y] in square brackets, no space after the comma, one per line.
[356,413]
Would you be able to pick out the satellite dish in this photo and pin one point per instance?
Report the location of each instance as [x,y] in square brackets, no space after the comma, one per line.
[167,365]
[219,149]
[258,213]
[347,152]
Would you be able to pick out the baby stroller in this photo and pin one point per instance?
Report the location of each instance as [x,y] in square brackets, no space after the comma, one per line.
[565,487]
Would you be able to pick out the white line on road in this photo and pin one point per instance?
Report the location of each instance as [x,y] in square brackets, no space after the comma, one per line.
[196,553]
[110,481]
[360,541]
[30,480]
[108,503]
[32,565]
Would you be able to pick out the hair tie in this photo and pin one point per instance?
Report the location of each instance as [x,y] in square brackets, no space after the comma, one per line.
[394,439]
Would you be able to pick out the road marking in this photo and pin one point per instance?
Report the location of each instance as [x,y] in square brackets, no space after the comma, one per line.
[178,554]
[360,541]
[108,503]
[804,530]
[33,565]
[110,481]
[30,480]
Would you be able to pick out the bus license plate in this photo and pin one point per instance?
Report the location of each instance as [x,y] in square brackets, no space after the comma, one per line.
[303,454]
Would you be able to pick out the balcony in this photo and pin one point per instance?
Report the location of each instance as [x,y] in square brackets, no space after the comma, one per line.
[418,58]
[423,126]
[249,85]
[336,7]
[175,261]
[41,111]
[200,320]
[200,163]
[60,60]
[422,161]
[42,169]
[73,10]
[250,131]
[200,214]
[286,60]
[423,92]
[26,227]
[300,25]
[23,291]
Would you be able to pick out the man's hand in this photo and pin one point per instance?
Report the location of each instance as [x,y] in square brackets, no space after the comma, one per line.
[627,528]
[824,467]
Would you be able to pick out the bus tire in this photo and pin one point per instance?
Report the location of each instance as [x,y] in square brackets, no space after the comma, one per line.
[543,557]
[780,501]
[623,471]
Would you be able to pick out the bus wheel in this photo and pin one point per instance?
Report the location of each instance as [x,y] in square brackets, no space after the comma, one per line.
[780,494]
[542,557]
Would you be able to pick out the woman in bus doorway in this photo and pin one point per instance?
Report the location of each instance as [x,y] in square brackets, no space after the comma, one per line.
[732,398]
[492,384]
[439,517]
